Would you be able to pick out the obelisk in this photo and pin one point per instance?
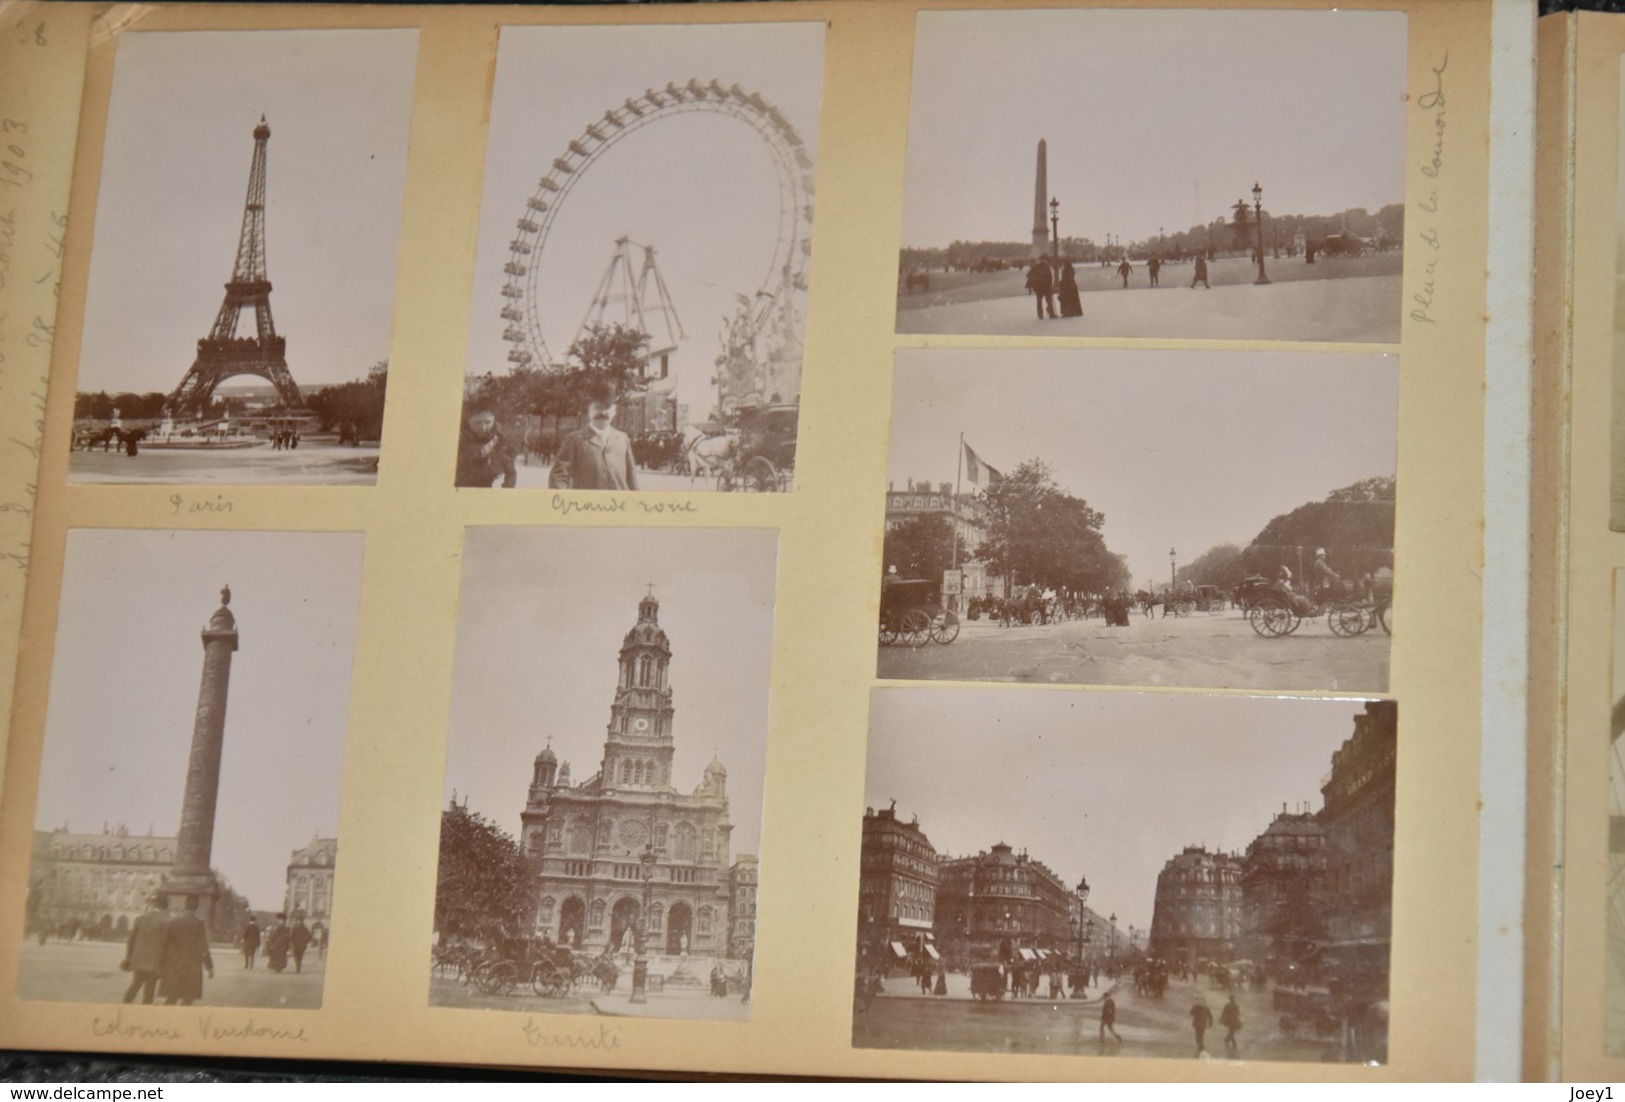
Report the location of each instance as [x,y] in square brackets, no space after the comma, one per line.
[1040,194]
[190,874]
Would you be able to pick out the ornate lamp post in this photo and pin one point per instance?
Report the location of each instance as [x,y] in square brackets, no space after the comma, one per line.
[1258,217]
[1055,229]
[1113,921]
[1172,573]
[640,967]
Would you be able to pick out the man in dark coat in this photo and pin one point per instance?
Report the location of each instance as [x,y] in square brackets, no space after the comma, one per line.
[1230,1018]
[144,952]
[1125,269]
[1201,272]
[1201,1022]
[186,956]
[277,940]
[251,942]
[1041,282]
[598,456]
[298,940]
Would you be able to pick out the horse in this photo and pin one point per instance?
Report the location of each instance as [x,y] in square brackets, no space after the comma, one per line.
[707,455]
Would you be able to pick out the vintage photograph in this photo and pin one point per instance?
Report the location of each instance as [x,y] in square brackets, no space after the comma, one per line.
[1191,519]
[644,251]
[1614,1022]
[186,830]
[1125,874]
[1213,198]
[238,312]
[598,848]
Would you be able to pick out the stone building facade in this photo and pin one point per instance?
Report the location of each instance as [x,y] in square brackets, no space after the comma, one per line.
[1198,909]
[1358,818]
[1283,877]
[310,881]
[586,842]
[1004,905]
[897,888]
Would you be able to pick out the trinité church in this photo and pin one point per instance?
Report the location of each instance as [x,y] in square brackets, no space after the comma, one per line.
[589,842]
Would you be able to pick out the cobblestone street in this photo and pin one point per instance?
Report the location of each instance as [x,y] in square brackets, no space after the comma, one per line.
[88,971]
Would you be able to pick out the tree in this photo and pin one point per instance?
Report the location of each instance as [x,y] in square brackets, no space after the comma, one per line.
[923,547]
[1039,534]
[484,886]
[356,408]
[1220,566]
[1354,524]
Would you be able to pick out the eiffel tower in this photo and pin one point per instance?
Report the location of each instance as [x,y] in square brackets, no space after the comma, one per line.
[223,354]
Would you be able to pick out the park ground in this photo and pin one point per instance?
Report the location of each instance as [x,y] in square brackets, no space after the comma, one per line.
[1346,299]
[902,1018]
[1196,652]
[313,462]
[88,972]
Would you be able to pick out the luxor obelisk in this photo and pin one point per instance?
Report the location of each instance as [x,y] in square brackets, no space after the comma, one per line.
[1040,196]
[191,874]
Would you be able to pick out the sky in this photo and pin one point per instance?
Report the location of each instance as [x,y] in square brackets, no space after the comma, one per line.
[1144,110]
[124,689]
[180,141]
[541,618]
[1179,449]
[700,188]
[1105,786]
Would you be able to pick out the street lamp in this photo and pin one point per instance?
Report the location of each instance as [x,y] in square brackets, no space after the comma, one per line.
[1172,573]
[1258,216]
[1113,921]
[1054,229]
[640,967]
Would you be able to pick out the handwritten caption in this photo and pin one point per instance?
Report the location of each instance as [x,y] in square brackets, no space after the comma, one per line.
[631,506]
[207,1027]
[179,505]
[1433,102]
[604,1038]
[26,339]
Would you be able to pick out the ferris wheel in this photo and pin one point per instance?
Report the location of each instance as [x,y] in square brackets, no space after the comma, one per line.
[785,274]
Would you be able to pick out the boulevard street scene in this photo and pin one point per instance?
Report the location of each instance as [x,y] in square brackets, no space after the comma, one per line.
[1187,519]
[1212,200]
[185,840]
[644,253]
[296,269]
[593,868]
[1006,905]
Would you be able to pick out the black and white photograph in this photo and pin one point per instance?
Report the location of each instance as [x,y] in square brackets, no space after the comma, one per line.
[186,829]
[1126,875]
[238,312]
[1191,519]
[644,250]
[603,791]
[1224,175]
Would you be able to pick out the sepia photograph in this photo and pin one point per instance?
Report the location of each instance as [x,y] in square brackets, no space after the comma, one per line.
[186,829]
[599,842]
[237,317]
[644,249]
[1191,519]
[1245,181]
[1126,874]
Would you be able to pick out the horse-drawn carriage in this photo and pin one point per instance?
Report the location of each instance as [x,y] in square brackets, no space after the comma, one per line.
[504,965]
[911,613]
[1275,610]
[755,451]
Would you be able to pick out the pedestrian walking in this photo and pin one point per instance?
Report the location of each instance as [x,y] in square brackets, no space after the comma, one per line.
[144,951]
[1201,1022]
[1230,1018]
[1071,303]
[1125,269]
[1041,282]
[277,940]
[1201,272]
[1152,267]
[186,957]
[299,941]
[251,942]
[1108,1019]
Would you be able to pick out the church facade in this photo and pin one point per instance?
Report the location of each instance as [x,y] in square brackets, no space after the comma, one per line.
[589,844]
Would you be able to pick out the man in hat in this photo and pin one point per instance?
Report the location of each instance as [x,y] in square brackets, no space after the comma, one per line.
[599,455]
[144,952]
[299,941]
[1325,577]
[1041,282]
[186,956]
[251,941]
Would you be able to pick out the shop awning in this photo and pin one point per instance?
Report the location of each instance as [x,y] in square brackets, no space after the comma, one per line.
[897,948]
[931,951]
[1027,954]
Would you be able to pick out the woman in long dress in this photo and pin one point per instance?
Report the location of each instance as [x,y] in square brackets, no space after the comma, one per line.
[1071,305]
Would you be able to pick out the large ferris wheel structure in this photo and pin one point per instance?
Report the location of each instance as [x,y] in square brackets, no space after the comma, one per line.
[763,308]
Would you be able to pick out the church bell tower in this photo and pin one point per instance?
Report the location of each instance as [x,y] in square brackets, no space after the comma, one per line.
[638,749]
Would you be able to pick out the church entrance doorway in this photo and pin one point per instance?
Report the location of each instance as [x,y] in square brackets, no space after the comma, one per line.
[678,922]
[572,922]
[623,926]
